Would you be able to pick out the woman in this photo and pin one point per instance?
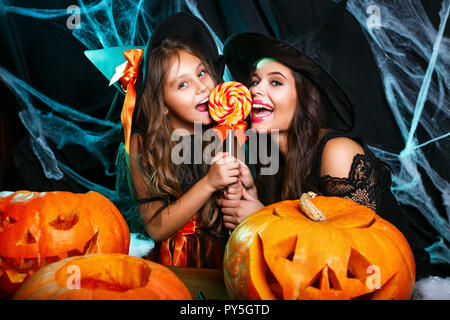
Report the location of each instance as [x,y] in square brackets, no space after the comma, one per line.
[293,94]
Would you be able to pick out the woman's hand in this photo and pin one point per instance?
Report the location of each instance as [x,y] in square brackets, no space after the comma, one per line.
[234,211]
[247,180]
[234,191]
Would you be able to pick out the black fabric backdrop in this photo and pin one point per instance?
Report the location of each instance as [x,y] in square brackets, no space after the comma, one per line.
[51,60]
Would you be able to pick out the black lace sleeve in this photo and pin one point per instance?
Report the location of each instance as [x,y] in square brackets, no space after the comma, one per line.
[360,185]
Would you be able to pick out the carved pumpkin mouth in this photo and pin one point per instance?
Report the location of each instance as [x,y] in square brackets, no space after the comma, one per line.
[385,292]
[327,280]
[17,270]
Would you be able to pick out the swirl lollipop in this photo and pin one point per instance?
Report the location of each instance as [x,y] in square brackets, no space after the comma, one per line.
[229,104]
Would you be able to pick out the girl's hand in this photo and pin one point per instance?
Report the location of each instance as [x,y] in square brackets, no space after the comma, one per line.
[234,211]
[223,171]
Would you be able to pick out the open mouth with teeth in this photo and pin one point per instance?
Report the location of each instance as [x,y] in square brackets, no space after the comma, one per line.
[202,106]
[260,112]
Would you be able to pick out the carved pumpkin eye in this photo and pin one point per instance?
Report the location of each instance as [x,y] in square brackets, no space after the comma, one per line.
[65,221]
[90,247]
[6,222]
[357,266]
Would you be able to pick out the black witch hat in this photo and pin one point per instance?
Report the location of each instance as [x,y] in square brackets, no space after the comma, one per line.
[112,63]
[183,26]
[309,52]
[180,25]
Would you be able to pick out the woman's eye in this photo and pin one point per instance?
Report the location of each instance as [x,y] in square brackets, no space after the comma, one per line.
[201,74]
[254,83]
[276,83]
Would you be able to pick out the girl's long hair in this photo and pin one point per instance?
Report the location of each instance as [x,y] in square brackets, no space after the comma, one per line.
[303,136]
[165,178]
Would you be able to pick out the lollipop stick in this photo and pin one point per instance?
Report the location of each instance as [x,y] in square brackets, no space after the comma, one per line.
[229,104]
[230,152]
[230,143]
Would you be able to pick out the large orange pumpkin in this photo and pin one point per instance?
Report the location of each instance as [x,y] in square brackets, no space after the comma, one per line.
[40,228]
[332,248]
[103,277]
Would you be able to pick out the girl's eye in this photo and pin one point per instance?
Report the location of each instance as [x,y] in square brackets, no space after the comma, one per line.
[201,73]
[182,85]
[254,83]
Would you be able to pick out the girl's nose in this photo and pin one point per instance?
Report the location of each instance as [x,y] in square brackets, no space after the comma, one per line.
[201,87]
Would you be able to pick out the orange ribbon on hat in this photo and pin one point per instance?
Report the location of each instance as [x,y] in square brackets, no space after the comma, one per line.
[179,256]
[128,81]
[238,128]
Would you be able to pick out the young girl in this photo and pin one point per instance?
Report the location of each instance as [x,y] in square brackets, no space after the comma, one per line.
[177,202]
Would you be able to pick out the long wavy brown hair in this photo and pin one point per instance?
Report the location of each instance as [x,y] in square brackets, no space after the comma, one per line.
[165,178]
[303,135]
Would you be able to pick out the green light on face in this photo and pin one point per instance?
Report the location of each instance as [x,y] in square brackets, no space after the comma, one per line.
[260,63]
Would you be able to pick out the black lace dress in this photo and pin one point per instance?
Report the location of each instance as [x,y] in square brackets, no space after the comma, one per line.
[368,184]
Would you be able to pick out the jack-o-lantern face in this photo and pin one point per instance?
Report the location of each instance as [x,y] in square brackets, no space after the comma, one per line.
[279,253]
[40,228]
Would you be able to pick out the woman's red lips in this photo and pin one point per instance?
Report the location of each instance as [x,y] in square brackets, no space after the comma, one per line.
[261,103]
[260,110]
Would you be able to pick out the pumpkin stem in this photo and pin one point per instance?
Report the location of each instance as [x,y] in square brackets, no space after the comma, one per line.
[309,209]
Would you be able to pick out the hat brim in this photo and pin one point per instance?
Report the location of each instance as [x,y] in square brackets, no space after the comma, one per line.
[106,61]
[243,50]
[179,25]
[186,26]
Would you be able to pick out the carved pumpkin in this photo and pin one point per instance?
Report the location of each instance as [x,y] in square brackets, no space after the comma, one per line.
[332,248]
[40,228]
[103,277]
